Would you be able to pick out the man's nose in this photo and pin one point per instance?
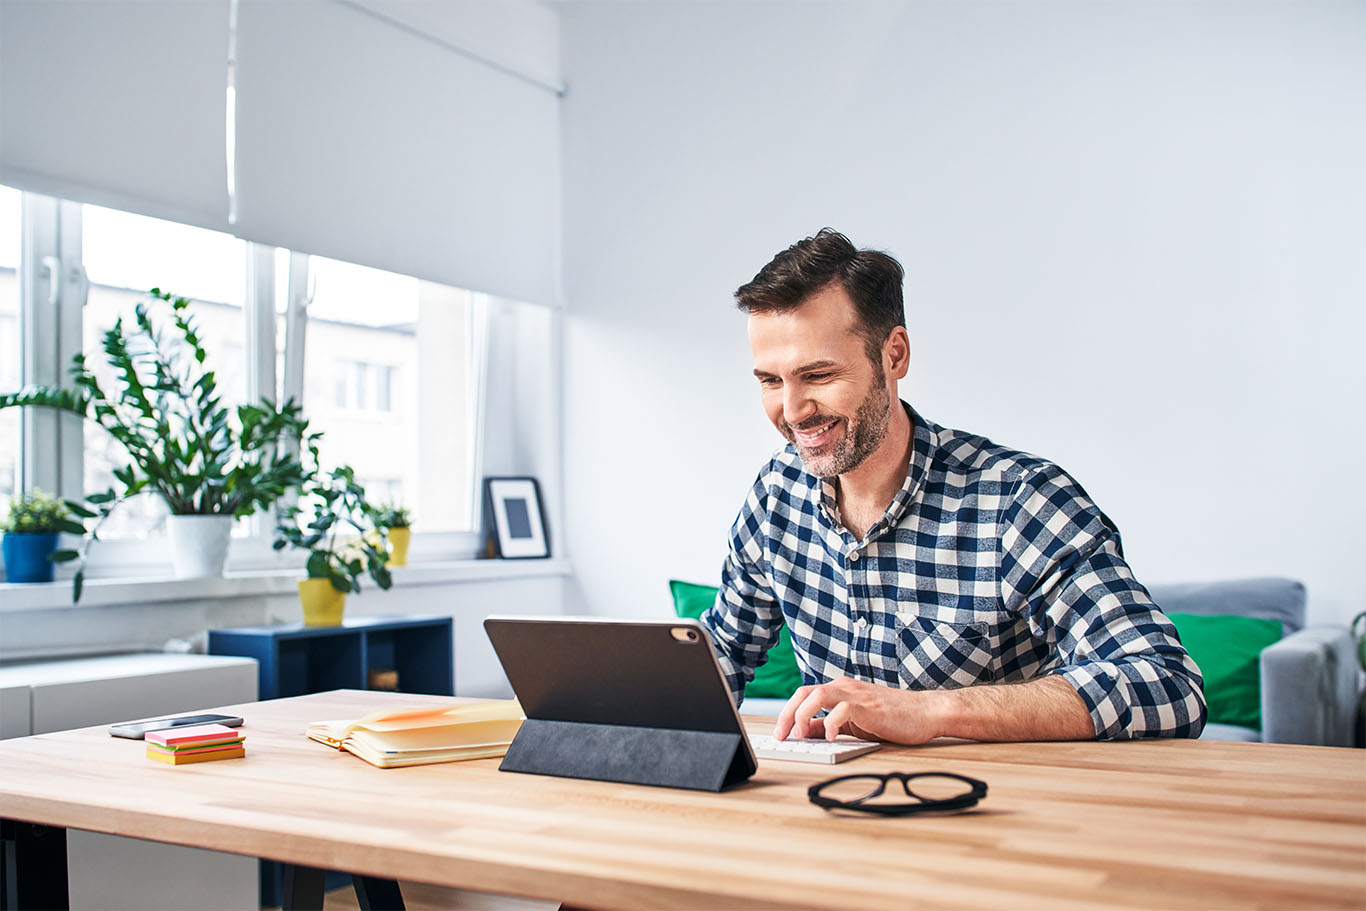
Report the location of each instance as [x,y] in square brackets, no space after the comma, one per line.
[797,405]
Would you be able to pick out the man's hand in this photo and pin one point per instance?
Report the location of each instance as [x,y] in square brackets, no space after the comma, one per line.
[1047,708]
[864,710]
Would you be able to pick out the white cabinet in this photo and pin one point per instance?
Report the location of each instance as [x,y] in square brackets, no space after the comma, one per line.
[109,873]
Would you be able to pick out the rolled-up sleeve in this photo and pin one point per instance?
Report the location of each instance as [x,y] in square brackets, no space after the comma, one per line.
[1062,569]
[746,621]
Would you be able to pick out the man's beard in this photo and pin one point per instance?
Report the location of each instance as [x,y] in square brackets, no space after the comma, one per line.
[863,434]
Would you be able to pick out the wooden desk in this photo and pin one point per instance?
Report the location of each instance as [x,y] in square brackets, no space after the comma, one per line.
[1171,824]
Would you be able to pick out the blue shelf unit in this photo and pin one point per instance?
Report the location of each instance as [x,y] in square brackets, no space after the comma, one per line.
[295,659]
[410,654]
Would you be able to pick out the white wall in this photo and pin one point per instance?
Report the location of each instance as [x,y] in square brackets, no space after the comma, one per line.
[1134,241]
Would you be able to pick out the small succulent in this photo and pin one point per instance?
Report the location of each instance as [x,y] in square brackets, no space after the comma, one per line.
[391,515]
[36,512]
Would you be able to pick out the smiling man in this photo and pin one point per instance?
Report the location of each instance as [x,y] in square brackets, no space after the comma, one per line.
[935,583]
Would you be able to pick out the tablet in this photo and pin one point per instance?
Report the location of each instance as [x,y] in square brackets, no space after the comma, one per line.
[621,700]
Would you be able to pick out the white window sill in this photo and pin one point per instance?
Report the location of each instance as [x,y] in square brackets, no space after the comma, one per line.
[143,590]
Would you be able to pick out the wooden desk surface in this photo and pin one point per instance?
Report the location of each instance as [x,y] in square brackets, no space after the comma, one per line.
[1169,824]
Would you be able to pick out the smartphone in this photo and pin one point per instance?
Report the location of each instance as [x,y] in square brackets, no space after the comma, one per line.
[134,730]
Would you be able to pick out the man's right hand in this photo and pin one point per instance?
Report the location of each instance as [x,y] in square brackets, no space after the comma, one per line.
[863,710]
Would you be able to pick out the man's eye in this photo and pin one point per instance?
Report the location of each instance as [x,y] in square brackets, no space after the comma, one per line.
[769,381]
[819,377]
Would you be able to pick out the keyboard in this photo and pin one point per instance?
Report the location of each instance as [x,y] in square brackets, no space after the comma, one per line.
[765,747]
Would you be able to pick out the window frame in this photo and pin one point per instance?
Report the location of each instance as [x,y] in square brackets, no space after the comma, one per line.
[53,288]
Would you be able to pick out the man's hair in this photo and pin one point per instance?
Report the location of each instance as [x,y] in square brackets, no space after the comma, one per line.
[872,279]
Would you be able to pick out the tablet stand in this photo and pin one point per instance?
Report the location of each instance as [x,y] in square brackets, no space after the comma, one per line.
[701,760]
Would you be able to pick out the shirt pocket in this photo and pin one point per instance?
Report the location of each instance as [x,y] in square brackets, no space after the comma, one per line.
[940,654]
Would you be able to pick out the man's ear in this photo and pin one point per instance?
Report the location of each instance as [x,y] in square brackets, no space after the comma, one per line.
[896,354]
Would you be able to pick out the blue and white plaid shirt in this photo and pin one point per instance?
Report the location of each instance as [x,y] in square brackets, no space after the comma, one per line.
[990,566]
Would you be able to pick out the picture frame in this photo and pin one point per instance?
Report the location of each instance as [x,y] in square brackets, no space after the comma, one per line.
[514,519]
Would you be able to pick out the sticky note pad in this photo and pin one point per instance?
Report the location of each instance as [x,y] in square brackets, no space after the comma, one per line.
[196,747]
[180,758]
[200,733]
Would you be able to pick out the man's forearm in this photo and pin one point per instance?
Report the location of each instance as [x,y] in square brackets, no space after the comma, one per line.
[1044,709]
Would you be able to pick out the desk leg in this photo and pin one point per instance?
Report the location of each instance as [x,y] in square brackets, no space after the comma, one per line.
[377,894]
[33,872]
[303,888]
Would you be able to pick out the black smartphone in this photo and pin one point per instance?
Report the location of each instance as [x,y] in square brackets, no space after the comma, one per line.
[134,730]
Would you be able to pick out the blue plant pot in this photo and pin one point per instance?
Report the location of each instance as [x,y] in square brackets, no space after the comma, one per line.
[26,556]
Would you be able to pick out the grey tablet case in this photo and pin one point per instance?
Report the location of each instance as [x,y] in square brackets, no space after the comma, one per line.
[641,702]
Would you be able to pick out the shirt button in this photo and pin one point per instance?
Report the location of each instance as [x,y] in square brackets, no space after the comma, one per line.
[862,622]
[853,557]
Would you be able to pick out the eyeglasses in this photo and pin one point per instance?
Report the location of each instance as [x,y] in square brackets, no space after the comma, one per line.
[867,793]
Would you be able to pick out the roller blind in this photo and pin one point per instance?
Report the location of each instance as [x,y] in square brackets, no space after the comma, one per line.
[117,103]
[370,143]
[357,138]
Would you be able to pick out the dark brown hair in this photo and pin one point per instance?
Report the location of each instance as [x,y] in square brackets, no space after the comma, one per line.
[872,279]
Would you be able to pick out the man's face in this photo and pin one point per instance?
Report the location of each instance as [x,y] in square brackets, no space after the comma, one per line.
[819,387]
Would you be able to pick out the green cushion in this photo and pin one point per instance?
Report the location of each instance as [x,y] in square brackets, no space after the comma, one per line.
[1227,650]
[777,678]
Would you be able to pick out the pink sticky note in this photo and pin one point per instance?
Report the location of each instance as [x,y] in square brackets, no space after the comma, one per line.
[197,734]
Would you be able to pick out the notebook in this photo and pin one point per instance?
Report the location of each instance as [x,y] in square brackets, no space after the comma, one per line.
[392,738]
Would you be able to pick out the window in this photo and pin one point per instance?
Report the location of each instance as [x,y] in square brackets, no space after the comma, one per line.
[364,387]
[10,380]
[387,380]
[386,365]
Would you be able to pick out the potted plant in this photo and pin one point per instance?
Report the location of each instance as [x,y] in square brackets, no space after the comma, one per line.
[1359,631]
[398,520]
[210,464]
[344,536]
[31,531]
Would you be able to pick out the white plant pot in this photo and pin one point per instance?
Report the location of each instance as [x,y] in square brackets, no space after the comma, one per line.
[199,544]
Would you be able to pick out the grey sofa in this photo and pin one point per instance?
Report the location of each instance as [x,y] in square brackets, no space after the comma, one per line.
[1309,679]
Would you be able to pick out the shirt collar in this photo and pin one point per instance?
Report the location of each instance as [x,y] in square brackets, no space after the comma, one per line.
[925,439]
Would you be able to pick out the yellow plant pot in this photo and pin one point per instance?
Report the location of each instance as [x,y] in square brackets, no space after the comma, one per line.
[398,546]
[322,603]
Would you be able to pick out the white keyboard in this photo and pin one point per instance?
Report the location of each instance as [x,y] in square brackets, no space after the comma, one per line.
[765,747]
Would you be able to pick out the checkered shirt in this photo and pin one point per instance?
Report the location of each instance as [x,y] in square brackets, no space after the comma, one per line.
[989,566]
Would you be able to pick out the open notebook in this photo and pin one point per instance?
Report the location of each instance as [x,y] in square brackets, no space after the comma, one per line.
[413,736]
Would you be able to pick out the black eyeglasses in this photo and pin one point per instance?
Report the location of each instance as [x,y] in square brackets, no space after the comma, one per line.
[934,791]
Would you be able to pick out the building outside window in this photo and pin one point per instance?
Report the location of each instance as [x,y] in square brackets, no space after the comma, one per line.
[386,379]
[364,387]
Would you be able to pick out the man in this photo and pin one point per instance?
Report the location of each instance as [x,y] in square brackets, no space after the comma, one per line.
[935,584]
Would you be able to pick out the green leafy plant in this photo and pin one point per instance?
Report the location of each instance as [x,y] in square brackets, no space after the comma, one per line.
[391,515]
[183,444]
[38,513]
[343,533]
[1359,631]
[165,410]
